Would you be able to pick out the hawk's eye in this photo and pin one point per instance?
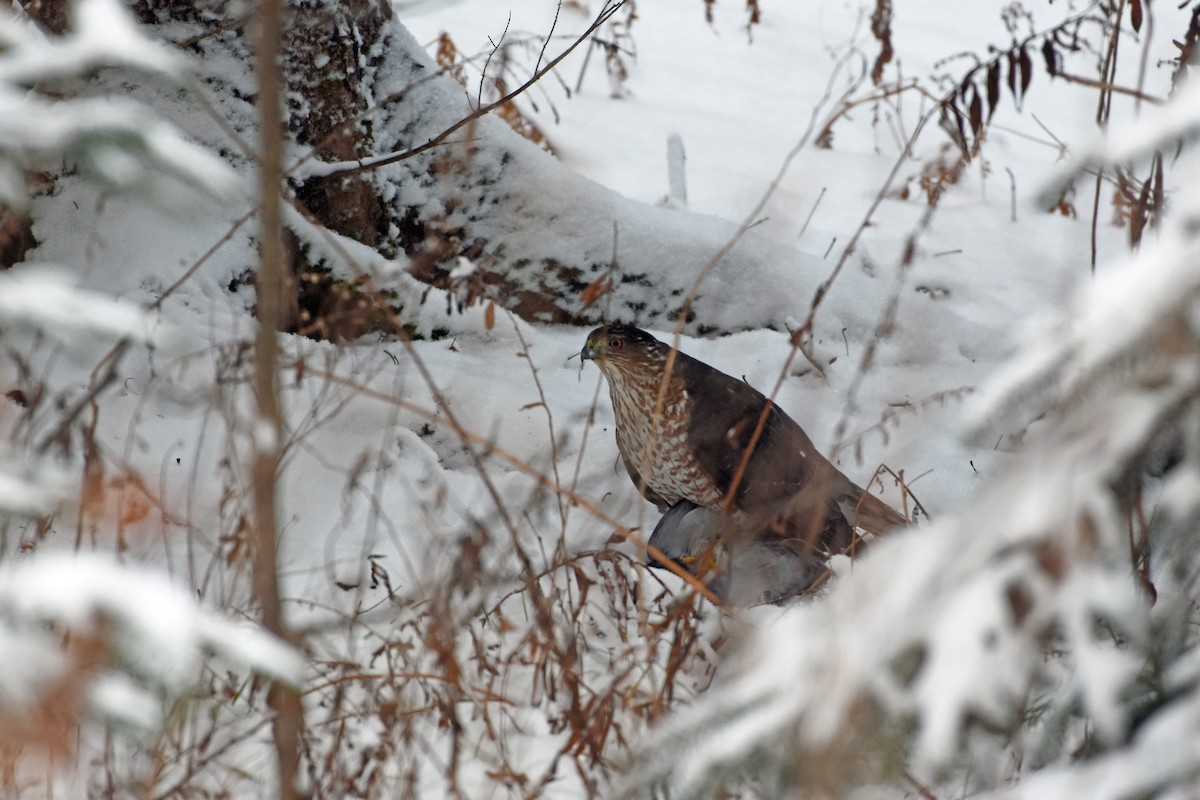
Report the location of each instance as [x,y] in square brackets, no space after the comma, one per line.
[614,343]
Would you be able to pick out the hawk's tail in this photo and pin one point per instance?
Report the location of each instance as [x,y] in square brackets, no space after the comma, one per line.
[866,511]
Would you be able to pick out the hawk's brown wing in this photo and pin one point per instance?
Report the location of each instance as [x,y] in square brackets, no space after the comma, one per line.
[724,413]
[646,491]
[788,487]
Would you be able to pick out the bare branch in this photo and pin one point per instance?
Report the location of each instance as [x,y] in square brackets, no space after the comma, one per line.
[267,428]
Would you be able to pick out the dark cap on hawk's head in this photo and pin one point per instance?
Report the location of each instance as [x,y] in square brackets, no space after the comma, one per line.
[683,437]
[615,342]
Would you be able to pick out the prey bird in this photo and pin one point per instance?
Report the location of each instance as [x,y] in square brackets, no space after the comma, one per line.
[765,538]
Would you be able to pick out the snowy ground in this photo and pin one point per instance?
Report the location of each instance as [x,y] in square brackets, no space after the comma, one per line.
[371,484]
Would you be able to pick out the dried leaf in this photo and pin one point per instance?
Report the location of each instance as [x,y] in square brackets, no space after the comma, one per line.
[1051,56]
[1014,68]
[523,125]
[976,112]
[1159,189]
[449,58]
[527,128]
[755,12]
[123,499]
[595,290]
[1026,70]
[445,51]
[950,111]
[489,316]
[993,87]
[585,583]
[1135,14]
[1137,220]
[1148,205]
[881,28]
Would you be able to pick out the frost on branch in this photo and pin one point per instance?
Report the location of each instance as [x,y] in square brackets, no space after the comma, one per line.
[82,636]
[120,144]
[1042,640]
[30,488]
[82,633]
[46,301]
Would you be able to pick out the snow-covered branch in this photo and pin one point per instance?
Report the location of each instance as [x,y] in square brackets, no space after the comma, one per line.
[123,642]
[121,144]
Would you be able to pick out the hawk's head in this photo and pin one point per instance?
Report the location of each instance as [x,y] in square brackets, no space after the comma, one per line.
[619,347]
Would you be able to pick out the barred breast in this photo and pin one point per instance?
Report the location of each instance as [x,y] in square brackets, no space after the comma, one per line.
[672,472]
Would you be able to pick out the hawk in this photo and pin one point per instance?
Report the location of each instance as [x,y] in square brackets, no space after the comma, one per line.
[765,538]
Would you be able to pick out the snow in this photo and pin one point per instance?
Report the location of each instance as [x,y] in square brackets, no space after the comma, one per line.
[382,493]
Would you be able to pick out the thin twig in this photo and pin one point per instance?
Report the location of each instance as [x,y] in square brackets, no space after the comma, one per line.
[537,382]
[96,384]
[813,210]
[488,61]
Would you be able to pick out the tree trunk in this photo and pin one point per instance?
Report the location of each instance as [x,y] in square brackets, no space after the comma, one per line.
[50,14]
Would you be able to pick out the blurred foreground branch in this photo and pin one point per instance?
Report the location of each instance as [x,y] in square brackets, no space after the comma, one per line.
[267,425]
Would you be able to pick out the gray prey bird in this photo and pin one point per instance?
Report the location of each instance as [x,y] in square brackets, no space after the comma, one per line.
[791,509]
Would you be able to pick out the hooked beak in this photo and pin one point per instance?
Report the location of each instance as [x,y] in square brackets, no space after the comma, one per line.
[586,353]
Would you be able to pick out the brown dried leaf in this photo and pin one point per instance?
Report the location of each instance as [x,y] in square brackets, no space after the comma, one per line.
[1014,68]
[489,316]
[1026,70]
[976,112]
[993,87]
[1159,190]
[595,290]
[1051,57]
[1137,220]
[585,583]
[1135,14]
[951,115]
[449,58]
[881,29]
[523,125]
[1147,206]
